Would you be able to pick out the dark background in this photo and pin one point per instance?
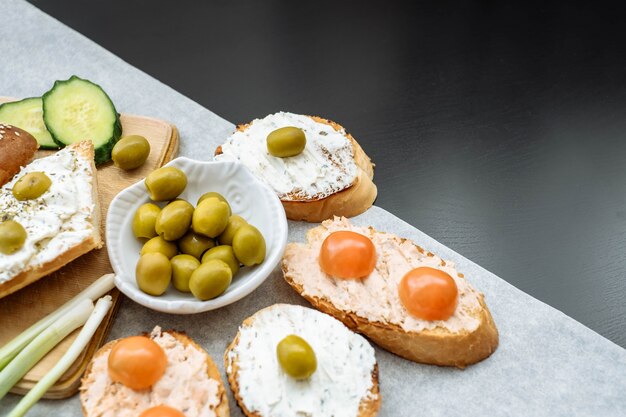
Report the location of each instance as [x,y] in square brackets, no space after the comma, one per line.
[498,129]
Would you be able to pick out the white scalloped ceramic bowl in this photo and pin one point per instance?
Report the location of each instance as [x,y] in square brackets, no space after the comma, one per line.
[248,197]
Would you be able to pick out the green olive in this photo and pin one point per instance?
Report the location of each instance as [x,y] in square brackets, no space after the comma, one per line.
[194,244]
[234,223]
[12,237]
[210,217]
[210,279]
[153,273]
[166,183]
[213,194]
[225,254]
[144,221]
[158,244]
[286,141]
[31,186]
[130,152]
[173,221]
[249,245]
[182,268]
[296,357]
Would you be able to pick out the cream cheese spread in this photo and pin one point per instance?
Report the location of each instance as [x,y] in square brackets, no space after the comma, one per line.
[56,221]
[326,165]
[375,297]
[184,386]
[345,362]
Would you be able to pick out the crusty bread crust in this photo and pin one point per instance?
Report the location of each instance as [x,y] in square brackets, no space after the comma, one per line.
[28,276]
[368,407]
[17,148]
[436,347]
[212,371]
[349,202]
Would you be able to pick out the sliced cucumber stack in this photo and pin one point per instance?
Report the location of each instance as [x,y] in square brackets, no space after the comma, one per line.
[77,109]
[27,114]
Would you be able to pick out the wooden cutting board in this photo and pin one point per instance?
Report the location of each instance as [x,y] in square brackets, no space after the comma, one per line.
[20,310]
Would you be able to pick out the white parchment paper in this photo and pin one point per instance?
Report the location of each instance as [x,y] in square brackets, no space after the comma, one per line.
[547,363]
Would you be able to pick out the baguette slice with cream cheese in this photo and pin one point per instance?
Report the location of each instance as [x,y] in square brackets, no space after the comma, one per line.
[345,383]
[62,225]
[332,176]
[371,305]
[101,397]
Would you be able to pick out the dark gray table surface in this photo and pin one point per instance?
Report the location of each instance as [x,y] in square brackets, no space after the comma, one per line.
[500,130]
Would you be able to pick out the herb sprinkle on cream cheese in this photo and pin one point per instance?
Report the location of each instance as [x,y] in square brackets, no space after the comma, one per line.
[54,222]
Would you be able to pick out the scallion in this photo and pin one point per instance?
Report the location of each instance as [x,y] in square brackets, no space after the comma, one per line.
[102,307]
[43,343]
[96,290]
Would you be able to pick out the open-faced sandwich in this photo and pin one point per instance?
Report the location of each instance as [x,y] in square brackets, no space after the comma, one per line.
[49,216]
[164,374]
[406,299]
[17,148]
[315,167]
[288,360]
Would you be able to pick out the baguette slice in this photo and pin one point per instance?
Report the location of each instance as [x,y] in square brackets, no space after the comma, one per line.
[348,202]
[436,345]
[94,241]
[17,148]
[212,372]
[368,406]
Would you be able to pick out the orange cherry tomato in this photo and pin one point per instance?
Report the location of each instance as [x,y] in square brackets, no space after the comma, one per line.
[137,362]
[346,254]
[161,411]
[428,293]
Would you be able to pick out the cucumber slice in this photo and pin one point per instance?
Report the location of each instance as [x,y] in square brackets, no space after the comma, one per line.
[27,114]
[77,109]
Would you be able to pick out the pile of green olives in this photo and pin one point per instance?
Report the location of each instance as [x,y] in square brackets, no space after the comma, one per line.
[196,249]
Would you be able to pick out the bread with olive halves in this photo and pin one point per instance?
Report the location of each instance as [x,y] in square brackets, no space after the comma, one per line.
[132,406]
[371,306]
[60,235]
[17,148]
[332,176]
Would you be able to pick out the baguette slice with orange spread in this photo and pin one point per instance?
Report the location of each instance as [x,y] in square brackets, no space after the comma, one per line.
[372,304]
[190,384]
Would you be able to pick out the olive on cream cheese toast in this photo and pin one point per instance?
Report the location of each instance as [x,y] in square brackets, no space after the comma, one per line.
[49,216]
[164,373]
[404,298]
[288,360]
[315,167]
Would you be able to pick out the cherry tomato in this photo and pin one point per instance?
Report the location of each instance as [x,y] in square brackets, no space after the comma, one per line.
[428,293]
[346,254]
[161,411]
[137,362]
